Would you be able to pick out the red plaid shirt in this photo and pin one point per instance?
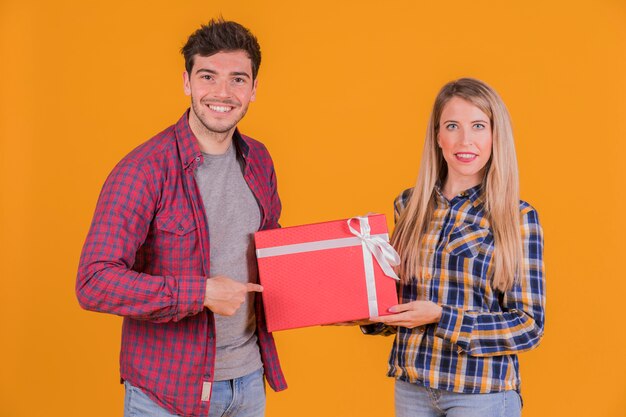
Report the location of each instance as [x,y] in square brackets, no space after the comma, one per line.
[146,258]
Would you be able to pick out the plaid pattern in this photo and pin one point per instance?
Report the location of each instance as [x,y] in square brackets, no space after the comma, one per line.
[146,258]
[473,348]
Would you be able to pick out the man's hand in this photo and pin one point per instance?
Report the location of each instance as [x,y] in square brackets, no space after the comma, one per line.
[224,295]
[411,315]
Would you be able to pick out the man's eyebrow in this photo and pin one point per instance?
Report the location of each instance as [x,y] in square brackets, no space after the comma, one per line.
[210,71]
[234,73]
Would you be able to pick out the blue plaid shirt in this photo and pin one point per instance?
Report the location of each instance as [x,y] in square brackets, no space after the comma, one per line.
[473,348]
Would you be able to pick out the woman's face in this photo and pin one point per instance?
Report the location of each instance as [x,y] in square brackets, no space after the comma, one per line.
[465,140]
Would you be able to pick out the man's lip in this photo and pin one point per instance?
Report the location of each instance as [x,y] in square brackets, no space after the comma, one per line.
[220,103]
[212,107]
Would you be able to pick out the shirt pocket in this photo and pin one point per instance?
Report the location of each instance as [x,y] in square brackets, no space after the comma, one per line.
[172,246]
[177,224]
[466,240]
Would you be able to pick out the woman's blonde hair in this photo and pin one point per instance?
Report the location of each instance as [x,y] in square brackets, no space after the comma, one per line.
[500,187]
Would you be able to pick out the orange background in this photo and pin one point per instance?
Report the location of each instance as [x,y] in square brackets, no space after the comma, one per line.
[344,95]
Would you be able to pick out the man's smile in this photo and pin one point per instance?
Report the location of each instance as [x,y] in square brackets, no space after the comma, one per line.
[220,109]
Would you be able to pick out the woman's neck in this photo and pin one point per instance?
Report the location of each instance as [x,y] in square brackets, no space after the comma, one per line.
[453,187]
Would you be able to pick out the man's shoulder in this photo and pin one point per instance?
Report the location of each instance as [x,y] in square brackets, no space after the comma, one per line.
[253,144]
[257,153]
[153,160]
[157,150]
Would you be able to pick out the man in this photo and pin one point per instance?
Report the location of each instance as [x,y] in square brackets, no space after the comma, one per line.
[170,246]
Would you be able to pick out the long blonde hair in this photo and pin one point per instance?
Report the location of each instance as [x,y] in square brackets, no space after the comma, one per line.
[500,187]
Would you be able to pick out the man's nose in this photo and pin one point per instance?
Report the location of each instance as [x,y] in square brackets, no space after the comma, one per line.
[222,89]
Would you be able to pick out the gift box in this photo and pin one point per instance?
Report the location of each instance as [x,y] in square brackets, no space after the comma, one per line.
[327,272]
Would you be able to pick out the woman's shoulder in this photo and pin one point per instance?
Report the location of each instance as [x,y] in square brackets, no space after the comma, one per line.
[401,202]
[402,199]
[527,211]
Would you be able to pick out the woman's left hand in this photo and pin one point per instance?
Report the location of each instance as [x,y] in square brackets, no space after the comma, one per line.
[410,315]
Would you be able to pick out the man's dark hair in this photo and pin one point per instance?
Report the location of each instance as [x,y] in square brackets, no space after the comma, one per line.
[222,36]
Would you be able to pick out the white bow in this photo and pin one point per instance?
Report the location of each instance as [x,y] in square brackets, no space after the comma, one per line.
[384,253]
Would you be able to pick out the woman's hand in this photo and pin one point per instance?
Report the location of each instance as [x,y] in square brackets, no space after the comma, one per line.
[413,314]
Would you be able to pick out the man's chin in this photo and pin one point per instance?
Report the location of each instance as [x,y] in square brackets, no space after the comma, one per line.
[218,128]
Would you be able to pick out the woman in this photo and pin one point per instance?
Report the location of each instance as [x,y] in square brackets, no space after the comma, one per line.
[472,285]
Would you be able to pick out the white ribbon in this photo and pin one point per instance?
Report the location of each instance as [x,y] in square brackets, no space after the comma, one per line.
[384,253]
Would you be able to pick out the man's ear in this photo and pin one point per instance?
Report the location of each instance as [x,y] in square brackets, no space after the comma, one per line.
[186,83]
[254,86]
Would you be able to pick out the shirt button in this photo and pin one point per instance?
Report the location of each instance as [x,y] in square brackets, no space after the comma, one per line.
[197,159]
[181,228]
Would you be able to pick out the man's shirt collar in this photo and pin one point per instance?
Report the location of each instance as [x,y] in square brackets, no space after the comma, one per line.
[189,149]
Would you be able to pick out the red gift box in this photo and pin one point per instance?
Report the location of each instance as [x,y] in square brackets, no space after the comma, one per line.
[326,273]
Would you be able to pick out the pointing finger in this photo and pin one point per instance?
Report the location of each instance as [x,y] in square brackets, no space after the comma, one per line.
[250,287]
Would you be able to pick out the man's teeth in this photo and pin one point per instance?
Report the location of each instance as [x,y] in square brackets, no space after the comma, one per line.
[466,155]
[221,109]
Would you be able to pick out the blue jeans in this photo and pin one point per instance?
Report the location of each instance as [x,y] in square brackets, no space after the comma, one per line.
[414,400]
[239,397]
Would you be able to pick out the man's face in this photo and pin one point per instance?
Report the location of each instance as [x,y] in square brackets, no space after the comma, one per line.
[221,88]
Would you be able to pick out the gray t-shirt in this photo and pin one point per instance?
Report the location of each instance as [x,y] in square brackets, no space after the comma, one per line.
[233,216]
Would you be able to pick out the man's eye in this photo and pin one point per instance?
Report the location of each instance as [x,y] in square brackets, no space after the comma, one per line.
[239,80]
[207,77]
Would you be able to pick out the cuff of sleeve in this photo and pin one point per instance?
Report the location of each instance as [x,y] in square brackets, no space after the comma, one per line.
[455,326]
[191,290]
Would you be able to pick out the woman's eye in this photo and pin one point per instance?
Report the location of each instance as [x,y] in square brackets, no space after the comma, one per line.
[451,126]
[479,126]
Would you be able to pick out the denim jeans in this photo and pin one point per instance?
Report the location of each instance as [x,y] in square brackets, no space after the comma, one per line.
[414,400]
[239,397]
